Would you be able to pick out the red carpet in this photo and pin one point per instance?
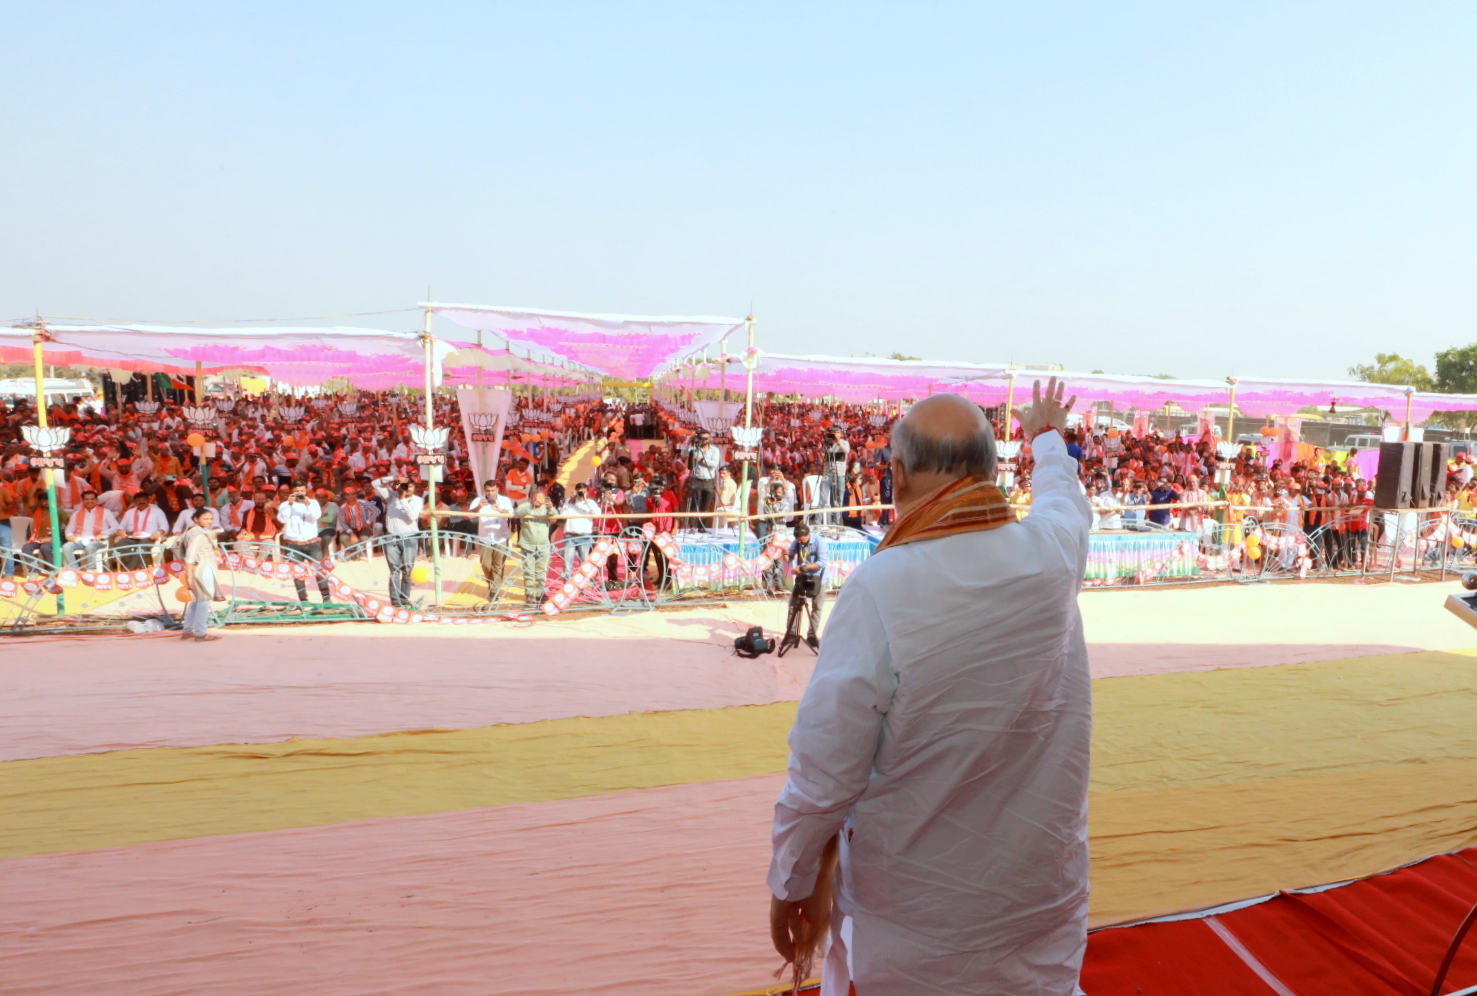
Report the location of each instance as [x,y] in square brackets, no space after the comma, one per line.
[1375,937]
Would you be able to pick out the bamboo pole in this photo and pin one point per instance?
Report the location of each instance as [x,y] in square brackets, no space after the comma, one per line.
[38,336]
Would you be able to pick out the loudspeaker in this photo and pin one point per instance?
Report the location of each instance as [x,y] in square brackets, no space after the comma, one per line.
[1411,475]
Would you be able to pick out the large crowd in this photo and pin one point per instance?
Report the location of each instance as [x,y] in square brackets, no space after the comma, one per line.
[309,480]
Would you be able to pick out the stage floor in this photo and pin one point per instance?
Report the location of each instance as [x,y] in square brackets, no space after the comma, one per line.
[583,804]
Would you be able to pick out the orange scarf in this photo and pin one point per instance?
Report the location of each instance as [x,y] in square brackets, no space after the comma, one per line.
[968,505]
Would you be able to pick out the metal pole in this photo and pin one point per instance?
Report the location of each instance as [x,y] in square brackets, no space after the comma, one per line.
[723,368]
[1010,407]
[749,363]
[1231,412]
[38,336]
[432,472]
[1409,399]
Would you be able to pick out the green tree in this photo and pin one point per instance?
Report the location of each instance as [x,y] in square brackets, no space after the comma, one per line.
[1456,370]
[900,356]
[1392,368]
[1456,373]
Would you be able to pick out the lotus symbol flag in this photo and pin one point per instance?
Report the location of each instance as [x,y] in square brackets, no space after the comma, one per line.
[348,408]
[747,437]
[199,415]
[146,407]
[430,440]
[226,405]
[51,438]
[292,413]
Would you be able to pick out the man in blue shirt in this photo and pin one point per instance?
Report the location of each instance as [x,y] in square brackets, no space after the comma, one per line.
[808,554]
[1163,494]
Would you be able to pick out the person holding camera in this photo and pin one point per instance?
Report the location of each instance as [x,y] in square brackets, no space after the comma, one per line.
[536,517]
[834,454]
[702,460]
[402,523]
[298,517]
[808,553]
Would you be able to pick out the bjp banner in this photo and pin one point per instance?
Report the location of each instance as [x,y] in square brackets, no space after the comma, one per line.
[717,416]
[484,417]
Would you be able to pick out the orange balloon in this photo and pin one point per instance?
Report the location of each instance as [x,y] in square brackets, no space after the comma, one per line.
[184,594]
[288,440]
[195,439]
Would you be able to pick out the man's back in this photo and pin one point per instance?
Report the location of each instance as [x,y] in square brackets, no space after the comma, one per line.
[949,721]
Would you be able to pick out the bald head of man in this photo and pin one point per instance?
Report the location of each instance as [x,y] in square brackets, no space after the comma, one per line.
[941,439]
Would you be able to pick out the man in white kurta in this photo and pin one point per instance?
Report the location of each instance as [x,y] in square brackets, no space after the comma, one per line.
[945,734]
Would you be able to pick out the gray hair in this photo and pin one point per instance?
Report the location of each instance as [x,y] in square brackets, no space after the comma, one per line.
[966,456]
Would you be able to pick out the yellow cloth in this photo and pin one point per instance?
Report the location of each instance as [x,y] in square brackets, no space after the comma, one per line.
[1207,787]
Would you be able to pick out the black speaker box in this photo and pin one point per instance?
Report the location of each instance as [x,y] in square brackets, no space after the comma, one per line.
[1411,475]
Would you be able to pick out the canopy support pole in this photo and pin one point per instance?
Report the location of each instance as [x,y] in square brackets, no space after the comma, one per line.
[1231,412]
[432,471]
[1010,407]
[148,385]
[1409,399]
[38,336]
[750,361]
[723,368]
[199,384]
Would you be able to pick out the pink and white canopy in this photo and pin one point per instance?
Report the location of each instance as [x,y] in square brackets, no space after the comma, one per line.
[854,380]
[371,359]
[295,355]
[620,346]
[867,379]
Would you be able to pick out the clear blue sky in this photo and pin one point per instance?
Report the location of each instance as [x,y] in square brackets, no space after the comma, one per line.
[1182,188]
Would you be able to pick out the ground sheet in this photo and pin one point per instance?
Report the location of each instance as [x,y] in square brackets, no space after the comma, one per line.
[583,805]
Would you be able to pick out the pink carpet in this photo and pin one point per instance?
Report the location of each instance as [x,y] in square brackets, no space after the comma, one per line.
[475,902]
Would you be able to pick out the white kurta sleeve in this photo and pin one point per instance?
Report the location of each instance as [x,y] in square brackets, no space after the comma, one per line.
[834,740]
[1057,501]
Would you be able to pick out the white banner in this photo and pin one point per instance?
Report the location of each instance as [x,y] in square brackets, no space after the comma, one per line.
[484,416]
[716,416]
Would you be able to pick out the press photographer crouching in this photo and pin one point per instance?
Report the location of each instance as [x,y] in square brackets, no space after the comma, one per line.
[808,554]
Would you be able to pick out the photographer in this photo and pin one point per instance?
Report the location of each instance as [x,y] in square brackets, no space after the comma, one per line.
[808,554]
[835,453]
[402,523]
[298,516]
[703,459]
[535,516]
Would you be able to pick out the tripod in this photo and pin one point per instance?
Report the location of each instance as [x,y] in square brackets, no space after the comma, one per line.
[804,605]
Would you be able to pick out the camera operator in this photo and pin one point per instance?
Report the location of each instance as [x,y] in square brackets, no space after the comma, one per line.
[658,502]
[776,504]
[808,554]
[402,523]
[835,453]
[534,542]
[703,459]
[612,501]
[298,516]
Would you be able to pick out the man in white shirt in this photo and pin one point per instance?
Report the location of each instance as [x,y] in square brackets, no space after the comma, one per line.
[494,531]
[579,527]
[186,517]
[1106,508]
[402,524]
[233,514]
[298,516]
[87,532]
[139,531]
[943,740]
